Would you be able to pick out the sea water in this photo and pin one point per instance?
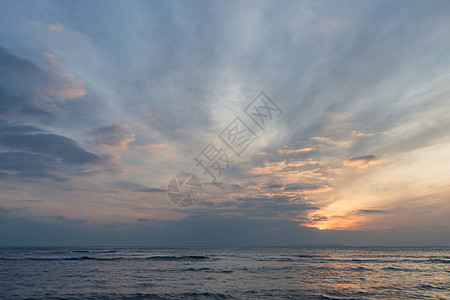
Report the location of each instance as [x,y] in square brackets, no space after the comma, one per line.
[225,273]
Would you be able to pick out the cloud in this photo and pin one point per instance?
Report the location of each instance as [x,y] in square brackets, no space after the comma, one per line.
[362,161]
[149,146]
[203,230]
[137,187]
[283,166]
[295,151]
[30,151]
[362,134]
[350,79]
[308,189]
[26,89]
[113,136]
[222,185]
[274,206]
[60,147]
[56,27]
[66,220]
[16,95]
[23,164]
[63,91]
[327,141]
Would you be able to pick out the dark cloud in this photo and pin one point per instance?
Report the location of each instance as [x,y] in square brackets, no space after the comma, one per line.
[29,151]
[112,136]
[66,220]
[25,88]
[24,164]
[318,219]
[58,146]
[222,185]
[197,230]
[7,211]
[22,104]
[7,128]
[296,187]
[19,75]
[276,206]
[201,230]
[362,161]
[274,186]
[61,147]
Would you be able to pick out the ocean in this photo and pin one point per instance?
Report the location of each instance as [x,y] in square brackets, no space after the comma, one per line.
[224,273]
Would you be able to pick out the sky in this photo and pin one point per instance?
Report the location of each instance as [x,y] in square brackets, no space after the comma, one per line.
[305,122]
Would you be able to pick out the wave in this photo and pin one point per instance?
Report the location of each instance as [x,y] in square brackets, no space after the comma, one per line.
[159,257]
[374,260]
[61,258]
[441,261]
[429,287]
[140,296]
[186,257]
[400,269]
[309,256]
[276,259]
[344,259]
[96,251]
[360,269]
[195,269]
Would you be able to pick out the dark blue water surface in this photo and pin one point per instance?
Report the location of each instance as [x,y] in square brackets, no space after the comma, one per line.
[225,273]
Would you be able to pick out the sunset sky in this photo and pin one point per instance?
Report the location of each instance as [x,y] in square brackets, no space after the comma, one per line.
[103,102]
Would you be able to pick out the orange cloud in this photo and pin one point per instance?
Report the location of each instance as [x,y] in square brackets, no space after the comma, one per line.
[51,57]
[356,133]
[295,151]
[361,134]
[283,166]
[66,86]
